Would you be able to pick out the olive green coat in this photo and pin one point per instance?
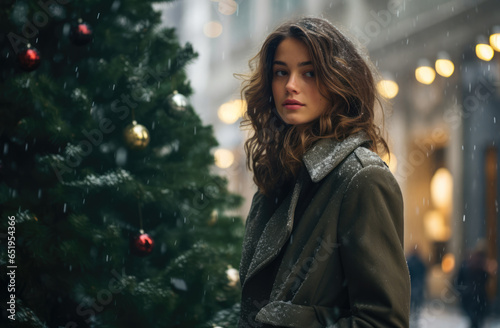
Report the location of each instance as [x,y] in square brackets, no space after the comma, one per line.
[344,264]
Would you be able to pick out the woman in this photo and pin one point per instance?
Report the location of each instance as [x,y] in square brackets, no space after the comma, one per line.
[324,235]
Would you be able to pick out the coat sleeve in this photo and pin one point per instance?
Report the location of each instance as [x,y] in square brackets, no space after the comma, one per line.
[370,232]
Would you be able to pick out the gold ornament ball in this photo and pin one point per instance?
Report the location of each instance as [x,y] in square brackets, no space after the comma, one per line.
[136,136]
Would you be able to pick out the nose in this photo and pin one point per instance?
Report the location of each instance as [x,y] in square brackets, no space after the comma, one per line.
[292,85]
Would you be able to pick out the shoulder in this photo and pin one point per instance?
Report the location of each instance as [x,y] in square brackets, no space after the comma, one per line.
[361,160]
[370,194]
[364,169]
[366,157]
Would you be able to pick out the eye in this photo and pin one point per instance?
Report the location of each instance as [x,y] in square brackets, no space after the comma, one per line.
[280,73]
[310,74]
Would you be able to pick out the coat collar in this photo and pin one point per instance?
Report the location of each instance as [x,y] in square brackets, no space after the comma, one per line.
[326,154]
[319,160]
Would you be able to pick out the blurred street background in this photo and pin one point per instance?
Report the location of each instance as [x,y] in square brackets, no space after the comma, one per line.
[121,213]
[440,65]
[449,317]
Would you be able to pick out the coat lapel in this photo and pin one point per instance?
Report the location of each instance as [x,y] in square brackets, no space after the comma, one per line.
[319,160]
[276,232]
[326,154]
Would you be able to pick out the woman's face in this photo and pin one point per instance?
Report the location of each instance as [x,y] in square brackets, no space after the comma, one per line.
[296,95]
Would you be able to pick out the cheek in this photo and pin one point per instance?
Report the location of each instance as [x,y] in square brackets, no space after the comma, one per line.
[275,89]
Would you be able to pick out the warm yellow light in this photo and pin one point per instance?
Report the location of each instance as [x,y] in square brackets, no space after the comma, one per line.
[442,189]
[387,88]
[214,216]
[233,276]
[484,51]
[435,226]
[231,111]
[425,74]
[444,67]
[391,160]
[223,158]
[495,41]
[241,105]
[227,7]
[448,263]
[212,29]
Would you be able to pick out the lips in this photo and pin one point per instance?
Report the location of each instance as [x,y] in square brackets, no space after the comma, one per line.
[292,104]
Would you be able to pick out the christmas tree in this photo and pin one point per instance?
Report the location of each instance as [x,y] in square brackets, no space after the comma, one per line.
[111,213]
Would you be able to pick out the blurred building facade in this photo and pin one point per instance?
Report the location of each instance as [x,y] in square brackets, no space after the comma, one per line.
[443,135]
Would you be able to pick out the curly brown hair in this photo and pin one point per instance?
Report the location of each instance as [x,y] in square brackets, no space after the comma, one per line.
[274,151]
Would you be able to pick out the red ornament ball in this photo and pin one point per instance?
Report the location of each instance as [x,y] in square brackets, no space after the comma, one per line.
[81,34]
[141,244]
[29,59]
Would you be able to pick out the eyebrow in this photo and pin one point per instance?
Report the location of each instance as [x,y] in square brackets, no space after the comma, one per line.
[277,62]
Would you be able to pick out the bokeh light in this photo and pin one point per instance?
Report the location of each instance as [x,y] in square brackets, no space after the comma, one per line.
[391,161]
[484,51]
[442,189]
[495,40]
[425,74]
[444,67]
[388,88]
[212,29]
[224,158]
[448,263]
[231,111]
[227,7]
[435,226]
